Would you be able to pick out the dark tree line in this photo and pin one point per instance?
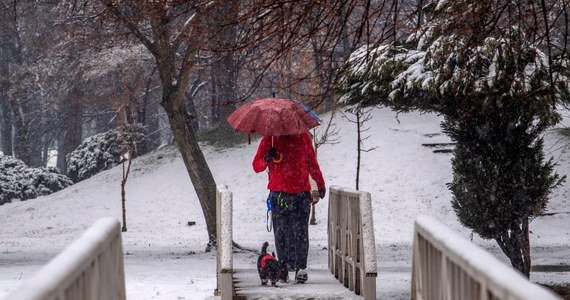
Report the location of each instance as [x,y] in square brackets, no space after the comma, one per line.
[54,92]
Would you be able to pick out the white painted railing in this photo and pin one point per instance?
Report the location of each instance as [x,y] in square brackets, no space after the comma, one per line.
[351,243]
[224,257]
[91,268]
[447,266]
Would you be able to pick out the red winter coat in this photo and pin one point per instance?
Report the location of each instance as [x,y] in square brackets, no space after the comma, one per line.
[295,160]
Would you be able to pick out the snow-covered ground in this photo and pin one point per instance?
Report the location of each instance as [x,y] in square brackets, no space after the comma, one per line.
[165,257]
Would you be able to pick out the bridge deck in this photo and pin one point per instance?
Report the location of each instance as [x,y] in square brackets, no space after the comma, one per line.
[321,285]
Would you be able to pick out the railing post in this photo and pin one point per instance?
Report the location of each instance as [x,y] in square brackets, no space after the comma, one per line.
[368,242]
[224,235]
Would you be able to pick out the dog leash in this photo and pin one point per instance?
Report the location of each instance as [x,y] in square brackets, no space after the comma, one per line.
[269,224]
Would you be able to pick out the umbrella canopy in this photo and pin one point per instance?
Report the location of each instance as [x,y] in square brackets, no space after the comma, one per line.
[273,116]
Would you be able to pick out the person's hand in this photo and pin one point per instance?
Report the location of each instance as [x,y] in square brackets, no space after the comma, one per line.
[315,197]
[270,154]
[322,193]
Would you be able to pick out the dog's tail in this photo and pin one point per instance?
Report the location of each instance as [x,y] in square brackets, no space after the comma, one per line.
[264,248]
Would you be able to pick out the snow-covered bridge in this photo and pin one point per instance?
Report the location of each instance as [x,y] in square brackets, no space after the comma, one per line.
[445,265]
[351,254]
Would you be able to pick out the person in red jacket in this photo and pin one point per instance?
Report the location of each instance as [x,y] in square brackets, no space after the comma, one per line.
[290,159]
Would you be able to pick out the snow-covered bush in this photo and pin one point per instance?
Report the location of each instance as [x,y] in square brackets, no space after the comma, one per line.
[102,152]
[18,181]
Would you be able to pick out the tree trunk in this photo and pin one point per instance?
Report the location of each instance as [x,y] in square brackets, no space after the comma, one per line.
[71,139]
[358,147]
[191,98]
[225,90]
[72,121]
[324,75]
[200,174]
[8,54]
[5,128]
[143,147]
[123,184]
[36,141]
[22,149]
[516,245]
[224,66]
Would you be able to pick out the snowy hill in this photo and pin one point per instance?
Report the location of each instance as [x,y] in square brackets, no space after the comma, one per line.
[165,256]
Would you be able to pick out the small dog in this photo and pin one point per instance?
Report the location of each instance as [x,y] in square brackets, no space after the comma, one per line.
[269,268]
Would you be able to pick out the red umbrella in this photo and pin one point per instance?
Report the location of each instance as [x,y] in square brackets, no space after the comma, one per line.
[273,116]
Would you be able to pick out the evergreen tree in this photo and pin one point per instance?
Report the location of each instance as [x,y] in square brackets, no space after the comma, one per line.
[481,65]
[500,178]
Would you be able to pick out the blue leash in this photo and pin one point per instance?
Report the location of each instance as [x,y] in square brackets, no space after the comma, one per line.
[269,224]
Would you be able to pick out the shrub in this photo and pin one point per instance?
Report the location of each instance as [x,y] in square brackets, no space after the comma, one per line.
[18,181]
[101,152]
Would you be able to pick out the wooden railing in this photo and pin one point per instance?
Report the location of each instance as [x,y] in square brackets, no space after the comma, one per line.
[351,243]
[91,268]
[445,265]
[224,257]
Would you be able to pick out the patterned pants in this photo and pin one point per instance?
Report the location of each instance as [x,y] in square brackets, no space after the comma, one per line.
[291,228]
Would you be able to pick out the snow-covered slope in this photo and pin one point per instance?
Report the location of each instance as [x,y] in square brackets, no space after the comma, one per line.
[165,256]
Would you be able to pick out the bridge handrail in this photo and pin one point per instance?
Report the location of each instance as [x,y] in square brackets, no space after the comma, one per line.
[90,268]
[445,265]
[224,235]
[351,242]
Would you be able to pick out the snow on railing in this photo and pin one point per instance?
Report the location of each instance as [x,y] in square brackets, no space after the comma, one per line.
[224,257]
[445,265]
[351,243]
[90,268]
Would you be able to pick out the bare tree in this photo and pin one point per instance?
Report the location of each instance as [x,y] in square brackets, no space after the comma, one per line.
[171,32]
[361,116]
